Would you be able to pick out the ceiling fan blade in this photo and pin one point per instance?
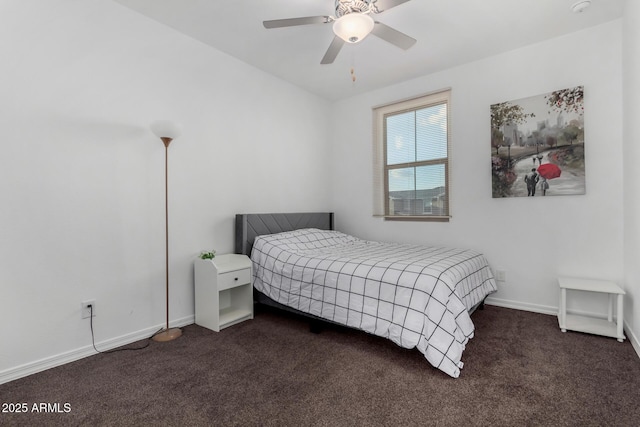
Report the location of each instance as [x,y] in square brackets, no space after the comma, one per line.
[393,36]
[332,52]
[382,5]
[292,22]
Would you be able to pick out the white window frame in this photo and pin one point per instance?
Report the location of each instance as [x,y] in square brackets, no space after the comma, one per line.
[380,172]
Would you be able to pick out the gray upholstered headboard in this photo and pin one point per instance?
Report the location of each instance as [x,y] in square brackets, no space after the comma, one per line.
[248,226]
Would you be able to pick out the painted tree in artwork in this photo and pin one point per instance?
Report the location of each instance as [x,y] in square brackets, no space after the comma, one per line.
[567,100]
[551,141]
[503,175]
[502,114]
[571,133]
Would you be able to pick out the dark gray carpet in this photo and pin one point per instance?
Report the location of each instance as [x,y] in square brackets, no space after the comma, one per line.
[519,370]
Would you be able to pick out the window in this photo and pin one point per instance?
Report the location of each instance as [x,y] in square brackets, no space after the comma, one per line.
[411,159]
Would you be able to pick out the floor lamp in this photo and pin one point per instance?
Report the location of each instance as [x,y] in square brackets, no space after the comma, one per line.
[166,131]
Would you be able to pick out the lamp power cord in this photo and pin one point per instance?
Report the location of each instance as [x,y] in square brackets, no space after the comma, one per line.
[93,342]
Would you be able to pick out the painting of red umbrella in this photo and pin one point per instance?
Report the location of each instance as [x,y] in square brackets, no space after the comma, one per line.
[549,171]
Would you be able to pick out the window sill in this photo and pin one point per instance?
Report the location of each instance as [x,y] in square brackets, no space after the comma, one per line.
[416,218]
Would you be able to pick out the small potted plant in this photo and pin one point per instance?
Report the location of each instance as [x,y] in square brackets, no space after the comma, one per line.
[208,254]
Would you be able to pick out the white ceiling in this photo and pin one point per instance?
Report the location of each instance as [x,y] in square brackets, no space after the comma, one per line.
[449,33]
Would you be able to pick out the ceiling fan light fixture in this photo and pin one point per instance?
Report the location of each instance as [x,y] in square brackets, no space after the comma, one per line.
[353,27]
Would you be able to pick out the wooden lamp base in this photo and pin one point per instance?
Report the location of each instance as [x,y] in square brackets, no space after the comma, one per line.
[168,335]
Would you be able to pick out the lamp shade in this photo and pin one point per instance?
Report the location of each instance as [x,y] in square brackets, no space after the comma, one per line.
[353,27]
[166,129]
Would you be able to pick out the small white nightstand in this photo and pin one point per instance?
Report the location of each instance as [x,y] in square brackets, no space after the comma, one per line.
[587,324]
[223,291]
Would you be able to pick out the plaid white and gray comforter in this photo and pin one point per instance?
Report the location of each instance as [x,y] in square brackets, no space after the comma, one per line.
[416,296]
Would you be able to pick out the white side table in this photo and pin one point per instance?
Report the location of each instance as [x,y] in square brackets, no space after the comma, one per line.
[223,291]
[592,325]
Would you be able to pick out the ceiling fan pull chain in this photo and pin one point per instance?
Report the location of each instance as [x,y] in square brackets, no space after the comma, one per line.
[353,66]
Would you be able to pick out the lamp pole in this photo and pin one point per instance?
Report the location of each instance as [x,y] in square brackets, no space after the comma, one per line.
[166,142]
[162,130]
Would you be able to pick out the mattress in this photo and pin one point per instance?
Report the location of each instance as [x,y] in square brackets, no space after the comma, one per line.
[416,296]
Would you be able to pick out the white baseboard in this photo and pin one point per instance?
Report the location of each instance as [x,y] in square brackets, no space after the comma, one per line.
[88,350]
[545,309]
[633,339]
[517,305]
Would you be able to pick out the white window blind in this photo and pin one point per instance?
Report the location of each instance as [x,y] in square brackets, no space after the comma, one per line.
[411,158]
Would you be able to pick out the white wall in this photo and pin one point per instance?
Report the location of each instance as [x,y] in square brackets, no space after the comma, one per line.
[534,240]
[82,177]
[631,81]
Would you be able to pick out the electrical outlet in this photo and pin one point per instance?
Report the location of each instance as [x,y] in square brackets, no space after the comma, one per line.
[501,275]
[87,308]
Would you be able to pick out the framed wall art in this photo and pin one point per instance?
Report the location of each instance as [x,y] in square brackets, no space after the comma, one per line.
[537,145]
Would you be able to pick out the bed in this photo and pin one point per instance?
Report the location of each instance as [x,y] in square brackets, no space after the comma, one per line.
[416,296]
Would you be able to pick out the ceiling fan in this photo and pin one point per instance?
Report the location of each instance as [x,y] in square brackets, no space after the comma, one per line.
[352,23]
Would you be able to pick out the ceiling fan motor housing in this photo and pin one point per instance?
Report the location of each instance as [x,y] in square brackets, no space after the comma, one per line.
[345,7]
